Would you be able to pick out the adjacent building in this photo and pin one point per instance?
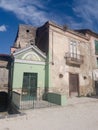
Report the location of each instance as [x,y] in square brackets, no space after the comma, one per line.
[93,38]
[69,59]
[5,81]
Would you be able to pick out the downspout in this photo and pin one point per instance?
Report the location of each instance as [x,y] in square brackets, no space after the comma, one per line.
[52,50]
[93,80]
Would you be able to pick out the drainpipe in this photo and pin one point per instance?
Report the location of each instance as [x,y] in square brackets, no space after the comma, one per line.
[52,50]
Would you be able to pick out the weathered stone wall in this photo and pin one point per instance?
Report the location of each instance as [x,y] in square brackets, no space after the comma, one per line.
[5,63]
[26,34]
[3,78]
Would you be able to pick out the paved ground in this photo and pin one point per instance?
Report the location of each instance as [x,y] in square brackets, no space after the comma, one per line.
[78,114]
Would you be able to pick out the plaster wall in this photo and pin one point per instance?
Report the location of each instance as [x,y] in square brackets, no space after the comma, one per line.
[58,46]
[20,68]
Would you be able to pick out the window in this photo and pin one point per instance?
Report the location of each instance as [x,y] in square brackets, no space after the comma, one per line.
[96,47]
[97,61]
[74,49]
[27,31]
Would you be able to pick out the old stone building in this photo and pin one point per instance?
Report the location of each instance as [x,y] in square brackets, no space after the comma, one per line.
[93,38]
[69,58]
[57,61]
[5,81]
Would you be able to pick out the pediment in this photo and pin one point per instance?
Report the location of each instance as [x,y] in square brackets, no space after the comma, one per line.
[30,54]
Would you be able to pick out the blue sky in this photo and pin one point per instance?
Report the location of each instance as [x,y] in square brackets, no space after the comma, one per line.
[76,14]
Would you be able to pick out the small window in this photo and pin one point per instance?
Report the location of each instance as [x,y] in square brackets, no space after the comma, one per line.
[27,31]
[96,47]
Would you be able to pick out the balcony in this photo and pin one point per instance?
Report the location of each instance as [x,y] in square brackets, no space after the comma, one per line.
[73,59]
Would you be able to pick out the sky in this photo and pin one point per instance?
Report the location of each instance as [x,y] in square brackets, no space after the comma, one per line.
[76,14]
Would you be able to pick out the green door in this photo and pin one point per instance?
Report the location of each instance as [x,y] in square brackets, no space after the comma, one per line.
[29,88]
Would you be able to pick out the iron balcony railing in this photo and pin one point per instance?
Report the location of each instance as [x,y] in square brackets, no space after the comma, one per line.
[73,58]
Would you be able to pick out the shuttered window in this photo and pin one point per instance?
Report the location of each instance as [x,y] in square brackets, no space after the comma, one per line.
[96,47]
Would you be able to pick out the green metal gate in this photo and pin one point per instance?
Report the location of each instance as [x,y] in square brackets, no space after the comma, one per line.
[29,89]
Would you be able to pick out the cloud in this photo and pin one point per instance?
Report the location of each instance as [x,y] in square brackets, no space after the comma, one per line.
[83,15]
[3,28]
[86,11]
[37,12]
[28,11]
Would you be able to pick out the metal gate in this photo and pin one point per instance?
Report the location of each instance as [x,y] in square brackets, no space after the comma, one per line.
[31,98]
